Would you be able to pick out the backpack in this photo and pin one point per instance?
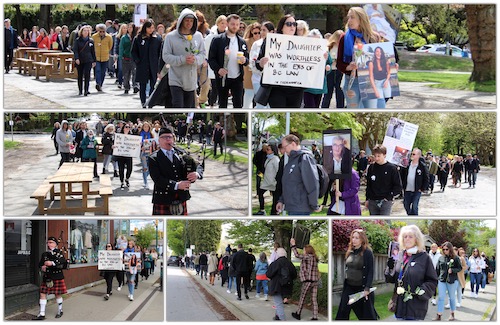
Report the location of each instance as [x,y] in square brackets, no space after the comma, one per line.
[221,266]
[324,179]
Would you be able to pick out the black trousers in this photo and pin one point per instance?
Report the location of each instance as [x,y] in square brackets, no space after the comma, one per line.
[181,98]
[9,56]
[213,94]
[84,73]
[108,276]
[120,277]
[246,282]
[236,87]
[286,97]
[219,143]
[363,308]
[94,160]
[142,88]
[124,162]
[64,158]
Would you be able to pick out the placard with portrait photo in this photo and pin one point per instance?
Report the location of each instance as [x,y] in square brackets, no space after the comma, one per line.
[337,153]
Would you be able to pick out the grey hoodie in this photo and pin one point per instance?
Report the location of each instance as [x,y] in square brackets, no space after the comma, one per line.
[175,49]
[300,182]
[63,137]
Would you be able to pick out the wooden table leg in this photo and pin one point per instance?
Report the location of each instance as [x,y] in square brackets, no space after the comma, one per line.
[70,189]
[63,195]
[85,194]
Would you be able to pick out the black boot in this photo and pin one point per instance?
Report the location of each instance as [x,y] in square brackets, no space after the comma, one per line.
[104,171]
[115,174]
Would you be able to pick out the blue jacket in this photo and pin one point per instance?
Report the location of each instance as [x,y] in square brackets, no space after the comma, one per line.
[89,152]
[260,267]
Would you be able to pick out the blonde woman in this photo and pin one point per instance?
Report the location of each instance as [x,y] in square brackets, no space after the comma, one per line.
[334,78]
[412,270]
[358,31]
[116,53]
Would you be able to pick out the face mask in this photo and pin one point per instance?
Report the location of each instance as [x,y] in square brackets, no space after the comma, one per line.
[412,250]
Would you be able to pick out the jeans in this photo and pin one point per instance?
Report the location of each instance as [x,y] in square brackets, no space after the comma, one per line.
[143,87]
[471,177]
[181,98]
[131,281]
[333,80]
[127,68]
[203,269]
[64,158]
[410,202]
[232,279]
[380,207]
[483,280]
[119,74]
[145,169]
[215,148]
[352,95]
[213,95]
[459,293]
[432,178]
[280,308]
[384,93]
[262,283]
[106,160]
[100,72]
[475,281]
[442,288]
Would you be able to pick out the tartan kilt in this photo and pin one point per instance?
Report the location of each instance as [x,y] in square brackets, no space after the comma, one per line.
[59,288]
[164,209]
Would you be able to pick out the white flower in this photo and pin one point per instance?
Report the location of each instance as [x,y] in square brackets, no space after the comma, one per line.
[400,290]
[351,301]
[421,292]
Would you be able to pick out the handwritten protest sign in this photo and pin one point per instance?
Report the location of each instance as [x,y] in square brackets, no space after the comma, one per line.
[295,61]
[110,260]
[398,140]
[127,145]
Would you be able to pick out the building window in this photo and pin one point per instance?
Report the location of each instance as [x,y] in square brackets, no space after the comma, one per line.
[87,237]
[19,263]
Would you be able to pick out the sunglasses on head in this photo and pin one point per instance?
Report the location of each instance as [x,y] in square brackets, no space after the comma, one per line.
[291,24]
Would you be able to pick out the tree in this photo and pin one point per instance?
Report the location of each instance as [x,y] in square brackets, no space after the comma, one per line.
[271,12]
[110,12]
[341,233]
[374,127]
[175,236]
[145,236]
[448,230]
[481,24]
[162,14]
[204,234]
[45,17]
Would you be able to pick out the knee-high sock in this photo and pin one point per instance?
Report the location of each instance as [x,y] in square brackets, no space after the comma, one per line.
[43,303]
[59,304]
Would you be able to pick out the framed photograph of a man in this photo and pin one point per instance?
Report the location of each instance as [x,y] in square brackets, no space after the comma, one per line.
[337,153]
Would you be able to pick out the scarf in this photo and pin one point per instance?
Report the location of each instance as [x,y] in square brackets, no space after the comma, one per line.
[349,38]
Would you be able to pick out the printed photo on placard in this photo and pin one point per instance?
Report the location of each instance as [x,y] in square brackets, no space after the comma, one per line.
[337,153]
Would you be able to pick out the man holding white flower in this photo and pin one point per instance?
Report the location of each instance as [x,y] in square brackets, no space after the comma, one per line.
[227,56]
[184,51]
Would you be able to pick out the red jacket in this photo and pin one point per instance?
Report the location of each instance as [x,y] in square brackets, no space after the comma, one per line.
[43,42]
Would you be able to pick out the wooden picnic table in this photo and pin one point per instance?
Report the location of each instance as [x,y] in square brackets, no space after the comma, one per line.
[21,51]
[36,55]
[63,65]
[68,175]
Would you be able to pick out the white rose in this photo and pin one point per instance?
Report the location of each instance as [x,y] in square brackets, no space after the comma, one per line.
[400,290]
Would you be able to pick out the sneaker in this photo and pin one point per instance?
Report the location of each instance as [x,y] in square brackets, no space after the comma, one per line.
[203,105]
[481,290]
[261,213]
[122,186]
[119,86]
[476,295]
[131,298]
[447,306]
[239,298]
[136,90]
[276,317]
[106,297]
[146,186]
[39,317]
[433,301]
[228,291]
[127,182]
[236,293]
[472,294]
[246,296]
[458,305]
[59,314]
[119,288]
[126,91]
[257,296]
[265,298]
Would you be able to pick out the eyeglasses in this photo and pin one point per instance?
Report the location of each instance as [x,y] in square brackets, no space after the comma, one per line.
[291,24]
[166,137]
[445,249]
[127,127]
[102,31]
[256,33]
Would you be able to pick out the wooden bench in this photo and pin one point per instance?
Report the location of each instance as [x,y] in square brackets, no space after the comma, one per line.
[41,193]
[42,65]
[105,191]
[24,65]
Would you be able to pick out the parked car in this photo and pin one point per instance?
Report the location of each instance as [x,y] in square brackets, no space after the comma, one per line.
[440,49]
[173,260]
[400,46]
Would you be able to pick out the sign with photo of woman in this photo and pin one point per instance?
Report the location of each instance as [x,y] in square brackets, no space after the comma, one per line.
[337,153]
[377,71]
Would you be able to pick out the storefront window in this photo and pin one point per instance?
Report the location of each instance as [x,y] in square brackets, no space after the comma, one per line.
[87,237]
[19,268]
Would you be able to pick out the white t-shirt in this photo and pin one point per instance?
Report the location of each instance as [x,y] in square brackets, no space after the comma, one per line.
[232,65]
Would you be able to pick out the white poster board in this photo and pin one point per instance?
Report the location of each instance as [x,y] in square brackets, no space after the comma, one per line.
[295,61]
[127,145]
[110,260]
[399,139]
[140,14]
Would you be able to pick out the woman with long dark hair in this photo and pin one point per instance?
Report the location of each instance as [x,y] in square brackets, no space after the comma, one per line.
[108,276]
[447,268]
[359,264]
[380,74]
[146,51]
[124,162]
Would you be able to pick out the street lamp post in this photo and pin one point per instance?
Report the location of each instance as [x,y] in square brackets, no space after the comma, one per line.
[156,224]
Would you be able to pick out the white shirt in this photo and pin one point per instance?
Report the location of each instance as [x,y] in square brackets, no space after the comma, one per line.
[410,180]
[233,67]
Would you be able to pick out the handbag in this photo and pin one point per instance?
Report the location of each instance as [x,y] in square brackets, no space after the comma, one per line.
[391,305]
[262,95]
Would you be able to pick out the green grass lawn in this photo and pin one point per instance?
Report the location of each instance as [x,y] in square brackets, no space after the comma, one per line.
[8,144]
[380,306]
[447,81]
[423,61]
[195,150]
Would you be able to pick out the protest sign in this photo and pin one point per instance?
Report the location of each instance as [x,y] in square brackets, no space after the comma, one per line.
[384,19]
[398,140]
[337,153]
[110,260]
[377,71]
[140,14]
[127,145]
[295,61]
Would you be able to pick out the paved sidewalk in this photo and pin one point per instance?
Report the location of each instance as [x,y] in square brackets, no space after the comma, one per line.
[471,310]
[89,305]
[253,309]
[222,192]
[25,92]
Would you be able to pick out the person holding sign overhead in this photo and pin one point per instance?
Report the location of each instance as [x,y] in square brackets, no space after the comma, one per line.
[227,56]
[173,172]
[358,32]
[281,96]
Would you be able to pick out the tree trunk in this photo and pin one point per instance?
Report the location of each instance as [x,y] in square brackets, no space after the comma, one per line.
[482,28]
[19,19]
[282,233]
[45,17]
[209,13]
[162,14]
[269,12]
[110,12]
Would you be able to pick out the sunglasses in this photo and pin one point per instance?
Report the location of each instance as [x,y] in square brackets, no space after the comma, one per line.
[257,33]
[102,32]
[445,249]
[127,127]
[291,24]
[108,245]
